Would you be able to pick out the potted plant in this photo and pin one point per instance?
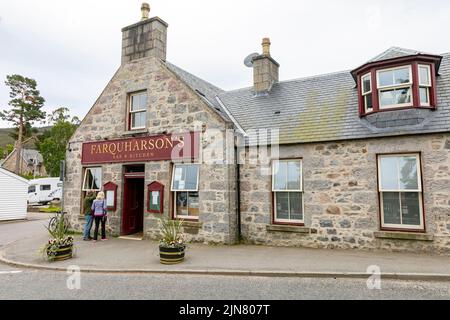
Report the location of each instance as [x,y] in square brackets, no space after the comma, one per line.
[171,246]
[60,246]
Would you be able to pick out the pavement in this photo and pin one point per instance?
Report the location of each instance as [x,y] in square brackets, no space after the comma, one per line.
[130,256]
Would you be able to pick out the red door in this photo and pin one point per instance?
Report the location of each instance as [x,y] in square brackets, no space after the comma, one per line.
[133,205]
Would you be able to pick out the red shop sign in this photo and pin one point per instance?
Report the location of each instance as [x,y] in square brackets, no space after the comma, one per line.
[180,146]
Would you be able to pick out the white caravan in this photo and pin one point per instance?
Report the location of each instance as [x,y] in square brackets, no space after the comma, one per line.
[42,191]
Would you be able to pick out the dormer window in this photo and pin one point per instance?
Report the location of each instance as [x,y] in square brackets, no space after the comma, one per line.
[397,79]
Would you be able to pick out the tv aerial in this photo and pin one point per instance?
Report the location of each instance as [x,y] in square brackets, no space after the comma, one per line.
[249,60]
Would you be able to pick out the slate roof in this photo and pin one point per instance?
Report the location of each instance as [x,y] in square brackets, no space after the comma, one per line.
[27,155]
[325,108]
[30,154]
[204,89]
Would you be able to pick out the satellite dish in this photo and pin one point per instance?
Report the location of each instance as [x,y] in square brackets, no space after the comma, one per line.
[249,60]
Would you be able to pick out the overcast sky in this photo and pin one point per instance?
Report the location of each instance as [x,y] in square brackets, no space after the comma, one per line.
[72,48]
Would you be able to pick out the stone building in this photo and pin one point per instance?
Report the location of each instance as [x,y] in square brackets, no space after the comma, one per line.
[351,160]
[32,163]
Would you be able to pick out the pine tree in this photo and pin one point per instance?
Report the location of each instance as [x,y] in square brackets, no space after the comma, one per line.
[26,104]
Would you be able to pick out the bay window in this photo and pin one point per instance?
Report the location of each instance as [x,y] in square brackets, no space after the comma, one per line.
[395,84]
[400,188]
[138,111]
[287,188]
[185,191]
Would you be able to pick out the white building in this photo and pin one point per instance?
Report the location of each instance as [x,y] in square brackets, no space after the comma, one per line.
[13,196]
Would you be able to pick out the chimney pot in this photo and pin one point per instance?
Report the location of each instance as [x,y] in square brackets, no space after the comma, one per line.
[266,46]
[145,9]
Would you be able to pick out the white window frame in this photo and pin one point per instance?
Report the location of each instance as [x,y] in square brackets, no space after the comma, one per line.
[133,112]
[419,190]
[275,191]
[173,177]
[85,177]
[365,94]
[395,87]
[175,191]
[427,86]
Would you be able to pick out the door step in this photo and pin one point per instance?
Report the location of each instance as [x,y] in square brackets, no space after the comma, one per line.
[135,237]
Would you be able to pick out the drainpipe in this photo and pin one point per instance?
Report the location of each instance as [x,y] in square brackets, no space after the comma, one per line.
[238,192]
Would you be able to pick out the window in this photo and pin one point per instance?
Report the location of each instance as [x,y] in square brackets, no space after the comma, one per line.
[138,111]
[32,189]
[424,85]
[185,191]
[400,190]
[287,190]
[92,179]
[45,187]
[395,87]
[367,92]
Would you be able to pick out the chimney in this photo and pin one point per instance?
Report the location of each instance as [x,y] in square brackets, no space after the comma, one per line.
[265,70]
[145,38]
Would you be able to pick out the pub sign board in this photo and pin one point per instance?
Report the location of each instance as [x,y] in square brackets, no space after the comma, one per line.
[177,146]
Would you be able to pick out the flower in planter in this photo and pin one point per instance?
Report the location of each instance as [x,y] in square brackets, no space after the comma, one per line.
[172,235]
[60,240]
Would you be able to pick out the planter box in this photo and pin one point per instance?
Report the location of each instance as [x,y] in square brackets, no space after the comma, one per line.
[169,255]
[63,253]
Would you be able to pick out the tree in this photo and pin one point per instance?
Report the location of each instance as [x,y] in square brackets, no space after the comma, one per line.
[2,152]
[62,114]
[28,132]
[54,141]
[26,104]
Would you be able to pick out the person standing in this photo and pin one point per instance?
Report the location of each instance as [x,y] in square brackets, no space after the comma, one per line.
[99,211]
[87,205]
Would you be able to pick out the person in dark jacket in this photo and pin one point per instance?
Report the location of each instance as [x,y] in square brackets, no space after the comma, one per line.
[87,204]
[99,210]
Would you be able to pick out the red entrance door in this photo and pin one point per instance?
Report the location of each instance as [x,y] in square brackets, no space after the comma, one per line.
[133,204]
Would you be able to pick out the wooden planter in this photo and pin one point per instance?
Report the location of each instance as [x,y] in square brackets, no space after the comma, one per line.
[64,253]
[171,255]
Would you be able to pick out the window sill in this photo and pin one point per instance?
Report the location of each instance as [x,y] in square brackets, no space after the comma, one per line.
[404,236]
[133,132]
[290,229]
[192,224]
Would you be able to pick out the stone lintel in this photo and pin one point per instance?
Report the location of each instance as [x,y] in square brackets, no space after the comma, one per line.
[292,229]
[404,236]
[134,133]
